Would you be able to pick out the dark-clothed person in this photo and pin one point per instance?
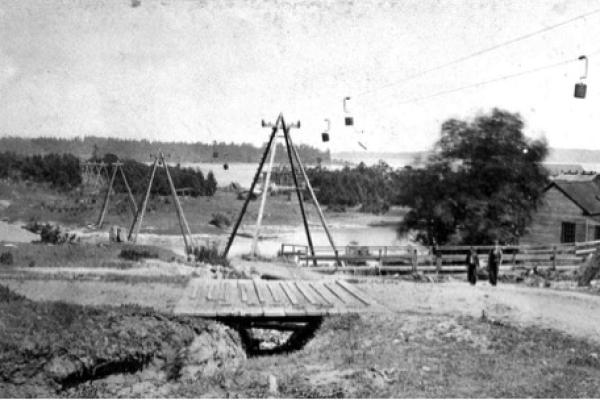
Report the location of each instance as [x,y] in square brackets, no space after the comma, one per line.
[472,265]
[494,261]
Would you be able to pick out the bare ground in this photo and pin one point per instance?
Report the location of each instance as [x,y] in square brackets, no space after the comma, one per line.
[576,314]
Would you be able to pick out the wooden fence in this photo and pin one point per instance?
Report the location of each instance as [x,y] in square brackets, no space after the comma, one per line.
[440,259]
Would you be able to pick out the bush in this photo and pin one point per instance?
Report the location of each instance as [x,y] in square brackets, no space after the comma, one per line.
[6,258]
[50,234]
[220,220]
[210,255]
[137,253]
[7,295]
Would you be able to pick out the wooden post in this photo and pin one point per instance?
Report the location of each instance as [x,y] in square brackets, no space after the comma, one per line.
[286,130]
[315,201]
[129,192]
[438,262]
[139,216]
[263,200]
[554,258]
[414,260]
[514,258]
[380,262]
[183,225]
[106,197]
[245,206]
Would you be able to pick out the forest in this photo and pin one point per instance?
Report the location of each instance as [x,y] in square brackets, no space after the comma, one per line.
[373,188]
[140,150]
[63,172]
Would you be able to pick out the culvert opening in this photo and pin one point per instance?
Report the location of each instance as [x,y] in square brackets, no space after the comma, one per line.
[260,338]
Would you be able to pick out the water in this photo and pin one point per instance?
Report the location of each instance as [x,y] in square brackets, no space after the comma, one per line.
[243,173]
[342,236]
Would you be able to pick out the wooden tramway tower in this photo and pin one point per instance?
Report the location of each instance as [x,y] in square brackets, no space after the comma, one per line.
[94,175]
[134,229]
[116,167]
[294,162]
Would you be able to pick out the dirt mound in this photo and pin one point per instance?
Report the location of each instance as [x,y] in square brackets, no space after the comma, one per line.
[50,349]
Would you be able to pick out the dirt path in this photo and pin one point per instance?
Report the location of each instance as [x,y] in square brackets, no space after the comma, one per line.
[577,314]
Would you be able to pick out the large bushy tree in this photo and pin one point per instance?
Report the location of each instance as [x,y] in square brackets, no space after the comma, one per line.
[482,182]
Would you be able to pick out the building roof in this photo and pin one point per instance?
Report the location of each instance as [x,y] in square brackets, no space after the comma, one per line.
[584,193]
[581,177]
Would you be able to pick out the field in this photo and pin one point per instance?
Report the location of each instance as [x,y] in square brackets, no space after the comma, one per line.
[25,202]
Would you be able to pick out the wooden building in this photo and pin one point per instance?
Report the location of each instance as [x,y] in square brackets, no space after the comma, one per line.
[570,211]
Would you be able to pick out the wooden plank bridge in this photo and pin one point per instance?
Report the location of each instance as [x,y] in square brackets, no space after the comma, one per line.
[271,299]
[298,306]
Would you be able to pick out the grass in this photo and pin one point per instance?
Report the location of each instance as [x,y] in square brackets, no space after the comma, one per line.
[404,355]
[78,254]
[41,203]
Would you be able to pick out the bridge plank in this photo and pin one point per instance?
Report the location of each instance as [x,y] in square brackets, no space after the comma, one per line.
[210,291]
[275,292]
[252,298]
[355,292]
[242,293]
[290,296]
[302,301]
[349,301]
[301,287]
[323,293]
[260,295]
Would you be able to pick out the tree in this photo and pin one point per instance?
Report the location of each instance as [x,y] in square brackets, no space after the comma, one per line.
[482,182]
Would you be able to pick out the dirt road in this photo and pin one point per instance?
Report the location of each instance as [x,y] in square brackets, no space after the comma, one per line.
[577,314]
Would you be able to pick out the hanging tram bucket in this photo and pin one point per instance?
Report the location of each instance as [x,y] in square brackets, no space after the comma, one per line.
[225,166]
[325,136]
[581,88]
[348,120]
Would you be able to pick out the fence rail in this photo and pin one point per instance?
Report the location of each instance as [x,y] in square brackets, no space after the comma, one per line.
[442,258]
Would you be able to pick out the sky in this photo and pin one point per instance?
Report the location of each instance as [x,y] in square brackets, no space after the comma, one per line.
[194,70]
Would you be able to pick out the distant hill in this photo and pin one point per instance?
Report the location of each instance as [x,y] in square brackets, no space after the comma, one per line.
[140,150]
[574,156]
[557,156]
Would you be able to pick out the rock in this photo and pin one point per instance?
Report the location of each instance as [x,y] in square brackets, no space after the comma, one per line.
[60,368]
[112,234]
[273,388]
[121,234]
[214,349]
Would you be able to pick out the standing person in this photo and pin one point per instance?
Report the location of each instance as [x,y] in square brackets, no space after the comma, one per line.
[472,265]
[494,262]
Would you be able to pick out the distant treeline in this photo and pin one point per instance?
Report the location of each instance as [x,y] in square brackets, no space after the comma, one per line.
[375,188]
[140,150]
[138,174]
[63,172]
[59,170]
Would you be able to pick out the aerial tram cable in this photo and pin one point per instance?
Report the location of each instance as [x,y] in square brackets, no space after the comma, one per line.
[486,82]
[480,52]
